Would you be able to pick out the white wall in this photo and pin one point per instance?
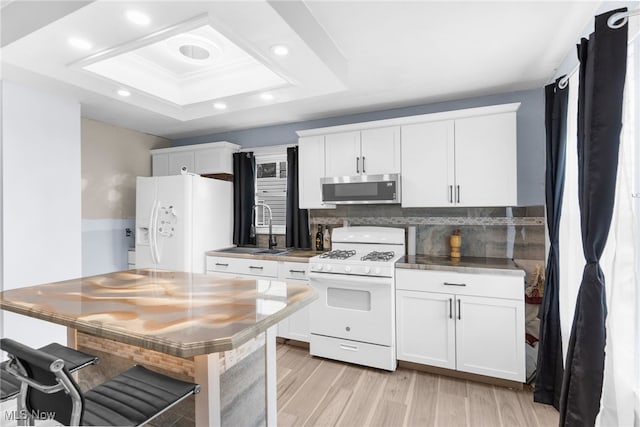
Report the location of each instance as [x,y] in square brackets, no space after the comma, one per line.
[41,215]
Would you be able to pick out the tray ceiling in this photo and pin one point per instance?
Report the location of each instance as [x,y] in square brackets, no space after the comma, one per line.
[185,68]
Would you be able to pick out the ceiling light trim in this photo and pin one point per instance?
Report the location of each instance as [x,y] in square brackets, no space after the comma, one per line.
[163,34]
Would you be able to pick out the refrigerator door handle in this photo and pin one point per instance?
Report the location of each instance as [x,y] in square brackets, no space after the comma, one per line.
[150,229]
[152,232]
[155,232]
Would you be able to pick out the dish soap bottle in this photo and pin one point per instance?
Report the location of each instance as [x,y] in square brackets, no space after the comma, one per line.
[327,239]
[319,239]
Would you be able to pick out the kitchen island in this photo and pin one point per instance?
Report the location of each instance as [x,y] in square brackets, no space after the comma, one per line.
[216,331]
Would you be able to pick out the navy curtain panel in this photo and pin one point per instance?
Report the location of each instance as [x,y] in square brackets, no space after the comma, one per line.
[603,65]
[297,234]
[244,193]
[549,368]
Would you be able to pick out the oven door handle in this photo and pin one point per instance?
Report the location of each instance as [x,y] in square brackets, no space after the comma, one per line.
[347,280]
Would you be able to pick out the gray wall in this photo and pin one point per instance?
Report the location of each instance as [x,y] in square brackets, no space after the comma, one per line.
[530,121]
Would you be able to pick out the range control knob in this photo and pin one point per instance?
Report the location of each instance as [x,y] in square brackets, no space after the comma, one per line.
[377,270]
[367,270]
[328,268]
[347,269]
[317,267]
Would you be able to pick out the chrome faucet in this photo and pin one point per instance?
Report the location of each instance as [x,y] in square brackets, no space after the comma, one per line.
[272,239]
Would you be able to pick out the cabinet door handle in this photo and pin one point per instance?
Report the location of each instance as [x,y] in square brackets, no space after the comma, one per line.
[222,265]
[357,164]
[297,271]
[450,308]
[451,194]
[257,268]
[459,311]
[348,347]
[458,193]
[454,284]
[363,171]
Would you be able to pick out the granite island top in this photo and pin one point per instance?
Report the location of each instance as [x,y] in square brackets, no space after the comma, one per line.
[471,265]
[293,255]
[181,314]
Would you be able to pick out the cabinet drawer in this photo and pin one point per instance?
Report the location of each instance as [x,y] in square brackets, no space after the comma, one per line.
[357,352]
[242,266]
[488,285]
[295,270]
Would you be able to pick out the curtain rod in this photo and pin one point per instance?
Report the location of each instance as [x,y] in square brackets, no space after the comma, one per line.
[622,17]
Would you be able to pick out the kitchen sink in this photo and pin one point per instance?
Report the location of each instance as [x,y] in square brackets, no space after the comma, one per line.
[272,251]
[256,251]
[242,250]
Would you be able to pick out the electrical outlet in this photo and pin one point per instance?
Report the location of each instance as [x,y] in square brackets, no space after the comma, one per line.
[127,232]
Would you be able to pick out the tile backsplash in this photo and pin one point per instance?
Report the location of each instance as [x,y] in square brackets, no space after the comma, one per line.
[516,233]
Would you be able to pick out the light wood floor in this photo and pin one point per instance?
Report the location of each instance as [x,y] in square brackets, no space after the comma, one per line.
[320,392]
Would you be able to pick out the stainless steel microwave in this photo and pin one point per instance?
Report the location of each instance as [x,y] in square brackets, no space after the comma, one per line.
[361,189]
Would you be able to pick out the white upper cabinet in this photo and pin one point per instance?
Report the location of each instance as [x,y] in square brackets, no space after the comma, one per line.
[210,160]
[342,154]
[428,169]
[160,164]
[461,158]
[370,151]
[180,160]
[203,159]
[470,161]
[380,150]
[486,160]
[310,172]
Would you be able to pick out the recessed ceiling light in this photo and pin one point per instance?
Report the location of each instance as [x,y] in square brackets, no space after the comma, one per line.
[138,17]
[79,43]
[266,96]
[123,92]
[280,50]
[220,106]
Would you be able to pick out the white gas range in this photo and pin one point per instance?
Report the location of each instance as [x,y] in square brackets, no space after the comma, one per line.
[353,319]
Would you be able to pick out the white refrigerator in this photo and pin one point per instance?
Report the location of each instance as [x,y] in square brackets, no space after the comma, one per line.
[178,218]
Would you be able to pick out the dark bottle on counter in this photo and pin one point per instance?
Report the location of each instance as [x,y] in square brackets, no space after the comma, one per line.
[319,238]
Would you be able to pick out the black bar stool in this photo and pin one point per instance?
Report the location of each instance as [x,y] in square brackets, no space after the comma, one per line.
[73,360]
[132,398]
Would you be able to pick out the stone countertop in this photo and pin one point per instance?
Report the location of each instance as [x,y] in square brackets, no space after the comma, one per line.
[177,313]
[294,255]
[471,265]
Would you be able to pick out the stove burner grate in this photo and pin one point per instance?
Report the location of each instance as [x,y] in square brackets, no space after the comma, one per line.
[338,254]
[378,256]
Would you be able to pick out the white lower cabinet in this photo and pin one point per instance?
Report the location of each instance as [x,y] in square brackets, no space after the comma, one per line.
[425,329]
[296,326]
[455,328]
[490,337]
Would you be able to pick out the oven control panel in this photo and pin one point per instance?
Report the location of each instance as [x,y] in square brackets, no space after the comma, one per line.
[360,270]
